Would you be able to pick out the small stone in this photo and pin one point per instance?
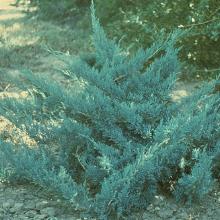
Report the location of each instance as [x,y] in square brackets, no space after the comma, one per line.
[42,205]
[30,205]
[150,207]
[165,213]
[145,215]
[31,214]
[157,208]
[204,217]
[149,216]
[174,207]
[50,211]
[12,210]
[22,217]
[160,198]
[17,206]
[40,217]
[130,218]
[209,212]
[183,216]
[8,204]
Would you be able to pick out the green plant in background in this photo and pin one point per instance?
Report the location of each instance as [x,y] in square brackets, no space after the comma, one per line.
[139,21]
[109,147]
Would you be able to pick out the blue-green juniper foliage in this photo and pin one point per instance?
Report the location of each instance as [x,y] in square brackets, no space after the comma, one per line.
[114,142]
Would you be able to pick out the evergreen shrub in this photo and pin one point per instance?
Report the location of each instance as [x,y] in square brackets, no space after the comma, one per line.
[111,146]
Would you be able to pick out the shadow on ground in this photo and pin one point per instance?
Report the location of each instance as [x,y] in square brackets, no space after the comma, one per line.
[25,41]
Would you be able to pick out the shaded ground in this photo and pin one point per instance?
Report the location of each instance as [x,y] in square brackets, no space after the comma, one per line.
[23,202]
[23,44]
[25,41]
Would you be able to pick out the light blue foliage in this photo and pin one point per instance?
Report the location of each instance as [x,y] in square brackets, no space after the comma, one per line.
[37,166]
[195,186]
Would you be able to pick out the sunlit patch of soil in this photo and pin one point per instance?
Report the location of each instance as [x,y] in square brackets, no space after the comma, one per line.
[16,95]
[7,11]
[183,89]
[8,131]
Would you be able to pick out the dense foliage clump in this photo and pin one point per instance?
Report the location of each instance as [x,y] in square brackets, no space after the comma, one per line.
[112,140]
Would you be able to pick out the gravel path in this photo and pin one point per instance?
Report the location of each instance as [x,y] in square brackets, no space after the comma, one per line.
[23,202]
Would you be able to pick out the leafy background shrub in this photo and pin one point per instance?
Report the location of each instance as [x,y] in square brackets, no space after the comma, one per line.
[109,147]
[139,22]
